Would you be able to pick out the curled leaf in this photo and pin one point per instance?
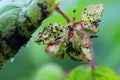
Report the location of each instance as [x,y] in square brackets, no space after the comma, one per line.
[91,17]
[50,33]
[76,48]
[57,49]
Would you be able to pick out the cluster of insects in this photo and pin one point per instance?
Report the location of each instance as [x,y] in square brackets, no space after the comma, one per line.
[72,40]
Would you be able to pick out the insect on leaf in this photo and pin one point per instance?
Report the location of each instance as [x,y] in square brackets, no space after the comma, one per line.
[50,33]
[91,17]
[75,48]
[78,47]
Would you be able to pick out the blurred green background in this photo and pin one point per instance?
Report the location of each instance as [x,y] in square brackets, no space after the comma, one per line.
[32,63]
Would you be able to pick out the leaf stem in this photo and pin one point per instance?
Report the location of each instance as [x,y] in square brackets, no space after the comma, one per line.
[92,65]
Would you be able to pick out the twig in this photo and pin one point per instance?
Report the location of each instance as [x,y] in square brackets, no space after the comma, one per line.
[63,14]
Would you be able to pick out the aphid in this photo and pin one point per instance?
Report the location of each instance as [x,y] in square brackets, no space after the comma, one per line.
[50,33]
[91,17]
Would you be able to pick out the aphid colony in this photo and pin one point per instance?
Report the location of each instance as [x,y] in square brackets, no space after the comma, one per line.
[78,47]
[92,16]
[52,32]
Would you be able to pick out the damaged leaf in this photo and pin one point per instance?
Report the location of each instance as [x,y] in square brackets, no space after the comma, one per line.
[91,17]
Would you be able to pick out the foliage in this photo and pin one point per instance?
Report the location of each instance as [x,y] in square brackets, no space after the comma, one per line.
[106,47]
[76,43]
[85,73]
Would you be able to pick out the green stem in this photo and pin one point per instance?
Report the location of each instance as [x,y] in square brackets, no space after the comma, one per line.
[92,65]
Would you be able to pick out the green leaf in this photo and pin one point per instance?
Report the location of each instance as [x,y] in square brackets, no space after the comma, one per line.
[100,73]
